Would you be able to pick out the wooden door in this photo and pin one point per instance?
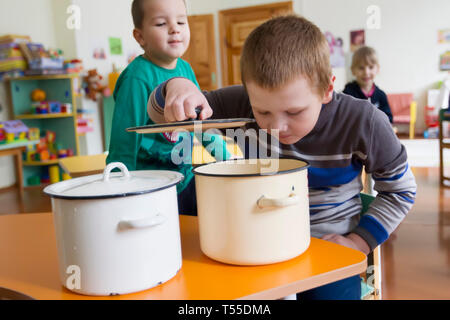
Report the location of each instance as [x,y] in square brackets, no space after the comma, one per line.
[234,27]
[201,53]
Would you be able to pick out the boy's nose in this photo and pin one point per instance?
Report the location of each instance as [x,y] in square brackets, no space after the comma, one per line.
[279,125]
[174,28]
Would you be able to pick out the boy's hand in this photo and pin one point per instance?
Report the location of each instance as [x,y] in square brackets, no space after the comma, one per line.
[352,240]
[182,97]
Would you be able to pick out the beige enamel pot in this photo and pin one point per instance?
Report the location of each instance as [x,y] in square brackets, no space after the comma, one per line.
[253,211]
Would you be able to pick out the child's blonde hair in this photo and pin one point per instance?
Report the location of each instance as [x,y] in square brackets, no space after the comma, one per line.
[281,49]
[364,56]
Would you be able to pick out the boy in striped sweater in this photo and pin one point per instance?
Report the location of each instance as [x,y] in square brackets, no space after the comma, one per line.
[288,89]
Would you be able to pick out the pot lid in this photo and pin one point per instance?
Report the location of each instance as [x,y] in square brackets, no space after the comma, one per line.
[192,125]
[114,184]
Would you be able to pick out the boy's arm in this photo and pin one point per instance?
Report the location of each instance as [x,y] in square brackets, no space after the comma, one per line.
[128,112]
[177,98]
[387,162]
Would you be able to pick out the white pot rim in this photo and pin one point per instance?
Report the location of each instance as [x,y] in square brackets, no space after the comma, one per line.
[198,170]
[114,185]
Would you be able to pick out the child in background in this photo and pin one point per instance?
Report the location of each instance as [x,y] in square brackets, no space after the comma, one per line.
[336,133]
[161,29]
[365,67]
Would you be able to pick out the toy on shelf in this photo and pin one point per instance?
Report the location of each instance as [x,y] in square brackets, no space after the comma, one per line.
[47,148]
[66,108]
[83,121]
[93,86]
[15,131]
[33,134]
[2,134]
[53,172]
[54,106]
[73,66]
[38,95]
[12,61]
[40,59]
[41,106]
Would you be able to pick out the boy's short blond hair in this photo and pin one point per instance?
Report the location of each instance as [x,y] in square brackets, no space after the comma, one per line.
[283,48]
[364,56]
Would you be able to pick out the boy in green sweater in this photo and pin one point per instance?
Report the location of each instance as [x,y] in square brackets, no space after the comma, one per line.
[161,29]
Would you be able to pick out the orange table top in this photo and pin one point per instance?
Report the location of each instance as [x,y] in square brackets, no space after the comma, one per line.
[29,265]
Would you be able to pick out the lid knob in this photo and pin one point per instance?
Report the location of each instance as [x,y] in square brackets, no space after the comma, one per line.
[113,165]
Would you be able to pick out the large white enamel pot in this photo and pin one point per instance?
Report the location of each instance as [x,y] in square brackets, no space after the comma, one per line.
[253,211]
[117,232]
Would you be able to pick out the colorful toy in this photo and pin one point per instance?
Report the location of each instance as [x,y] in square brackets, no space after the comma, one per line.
[73,66]
[10,137]
[44,155]
[45,178]
[53,172]
[50,136]
[46,149]
[2,134]
[38,95]
[62,153]
[15,130]
[33,134]
[43,108]
[54,106]
[66,108]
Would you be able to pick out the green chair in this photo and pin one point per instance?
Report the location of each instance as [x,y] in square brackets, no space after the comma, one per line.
[371,280]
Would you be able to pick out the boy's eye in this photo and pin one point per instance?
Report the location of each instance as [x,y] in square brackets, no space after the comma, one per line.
[160,24]
[263,113]
[296,113]
[181,22]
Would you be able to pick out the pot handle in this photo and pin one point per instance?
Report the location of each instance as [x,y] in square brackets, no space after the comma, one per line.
[290,200]
[143,223]
[113,165]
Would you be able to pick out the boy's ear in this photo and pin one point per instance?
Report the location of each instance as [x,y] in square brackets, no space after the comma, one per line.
[329,93]
[137,34]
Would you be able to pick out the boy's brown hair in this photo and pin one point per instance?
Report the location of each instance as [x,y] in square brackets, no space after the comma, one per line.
[364,56]
[283,48]
[137,12]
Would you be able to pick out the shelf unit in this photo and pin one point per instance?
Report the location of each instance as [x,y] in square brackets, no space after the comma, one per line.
[59,88]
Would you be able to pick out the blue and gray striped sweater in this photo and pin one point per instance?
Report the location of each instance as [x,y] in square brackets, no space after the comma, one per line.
[350,135]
